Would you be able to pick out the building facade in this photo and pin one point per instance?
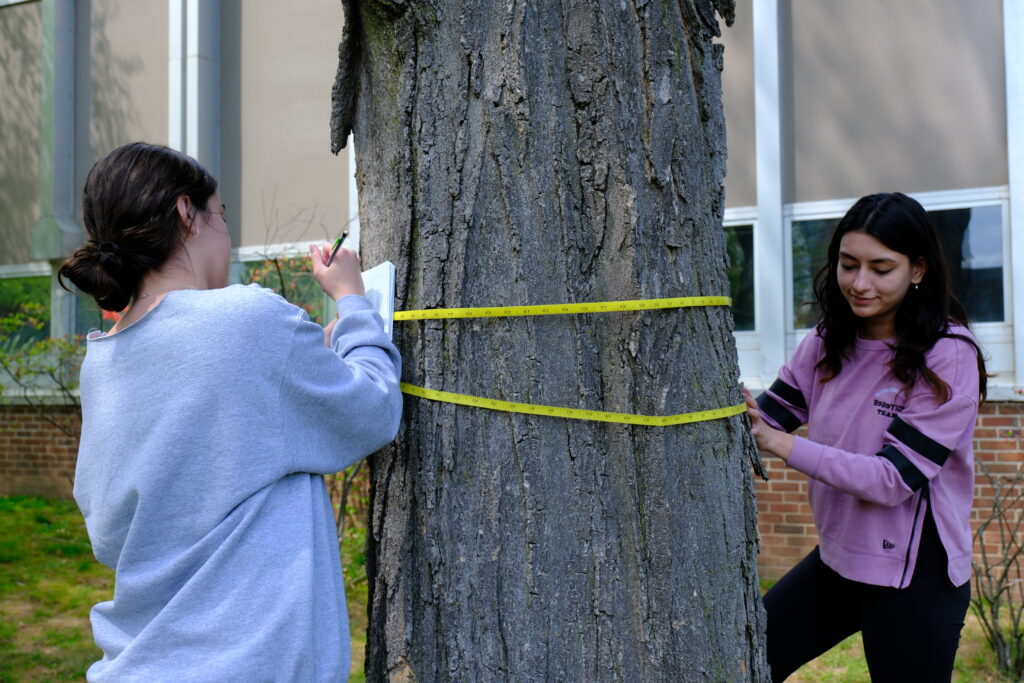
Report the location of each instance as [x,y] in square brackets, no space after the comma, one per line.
[243,87]
[825,101]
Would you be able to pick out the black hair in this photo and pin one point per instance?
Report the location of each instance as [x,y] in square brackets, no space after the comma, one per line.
[129,207]
[927,310]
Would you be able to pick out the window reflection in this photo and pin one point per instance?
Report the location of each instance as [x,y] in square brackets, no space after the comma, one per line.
[291,277]
[739,244]
[24,310]
[810,251]
[972,240]
[89,316]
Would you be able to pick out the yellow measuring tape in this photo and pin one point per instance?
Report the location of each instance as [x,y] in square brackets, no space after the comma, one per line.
[563,309]
[572,413]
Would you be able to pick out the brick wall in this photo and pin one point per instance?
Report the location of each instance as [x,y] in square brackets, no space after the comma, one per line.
[784,519]
[787,532]
[37,457]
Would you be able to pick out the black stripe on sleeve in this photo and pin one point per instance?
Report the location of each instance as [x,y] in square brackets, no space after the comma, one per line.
[788,393]
[776,411]
[933,450]
[912,476]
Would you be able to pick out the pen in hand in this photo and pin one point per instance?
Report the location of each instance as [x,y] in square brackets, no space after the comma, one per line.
[337,246]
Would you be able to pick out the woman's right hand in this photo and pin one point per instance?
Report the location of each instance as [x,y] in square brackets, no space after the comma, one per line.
[343,277]
[769,440]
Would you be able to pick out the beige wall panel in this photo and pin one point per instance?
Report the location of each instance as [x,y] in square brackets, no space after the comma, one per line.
[21,34]
[129,67]
[738,99]
[894,95]
[279,179]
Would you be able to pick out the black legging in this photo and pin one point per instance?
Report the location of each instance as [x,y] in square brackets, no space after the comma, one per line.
[910,634]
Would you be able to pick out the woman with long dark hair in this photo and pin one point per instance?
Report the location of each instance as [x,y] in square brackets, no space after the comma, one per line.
[208,415]
[889,383]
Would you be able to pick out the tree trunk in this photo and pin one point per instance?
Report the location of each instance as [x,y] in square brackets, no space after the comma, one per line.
[553,151]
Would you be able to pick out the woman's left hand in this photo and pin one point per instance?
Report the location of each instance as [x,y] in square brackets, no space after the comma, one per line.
[769,440]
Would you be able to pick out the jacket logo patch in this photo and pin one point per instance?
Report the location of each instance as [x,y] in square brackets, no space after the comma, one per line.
[886,406]
[887,545]
[887,409]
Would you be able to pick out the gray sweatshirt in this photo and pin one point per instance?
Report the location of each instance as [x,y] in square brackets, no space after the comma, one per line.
[205,428]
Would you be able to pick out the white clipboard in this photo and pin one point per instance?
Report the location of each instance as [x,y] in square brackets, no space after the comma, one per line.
[379,283]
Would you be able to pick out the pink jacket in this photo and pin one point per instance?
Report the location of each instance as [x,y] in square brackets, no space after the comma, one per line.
[876,457]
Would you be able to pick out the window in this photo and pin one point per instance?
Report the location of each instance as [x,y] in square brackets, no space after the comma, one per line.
[89,316]
[810,249]
[286,273]
[290,277]
[972,240]
[24,310]
[739,245]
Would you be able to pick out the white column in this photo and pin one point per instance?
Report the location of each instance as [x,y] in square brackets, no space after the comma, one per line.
[202,82]
[56,234]
[1013,49]
[176,75]
[770,269]
[193,122]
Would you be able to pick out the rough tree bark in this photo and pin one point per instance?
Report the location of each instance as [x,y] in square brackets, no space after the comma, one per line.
[548,151]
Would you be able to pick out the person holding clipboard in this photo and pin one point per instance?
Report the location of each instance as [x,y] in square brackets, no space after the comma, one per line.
[208,415]
[889,383]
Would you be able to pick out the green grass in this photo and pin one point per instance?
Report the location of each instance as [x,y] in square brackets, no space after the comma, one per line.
[845,662]
[353,559]
[49,581]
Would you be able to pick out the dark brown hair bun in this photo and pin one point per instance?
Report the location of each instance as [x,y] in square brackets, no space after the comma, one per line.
[130,215]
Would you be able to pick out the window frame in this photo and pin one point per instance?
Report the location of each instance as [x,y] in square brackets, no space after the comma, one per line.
[30,269]
[748,342]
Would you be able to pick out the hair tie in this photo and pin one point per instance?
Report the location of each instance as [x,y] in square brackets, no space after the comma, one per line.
[109,260]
